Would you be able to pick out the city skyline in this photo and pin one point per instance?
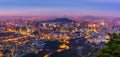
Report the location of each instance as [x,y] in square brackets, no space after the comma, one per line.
[65,28]
[54,7]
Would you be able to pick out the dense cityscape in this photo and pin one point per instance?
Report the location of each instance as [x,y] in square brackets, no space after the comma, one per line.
[59,28]
[21,35]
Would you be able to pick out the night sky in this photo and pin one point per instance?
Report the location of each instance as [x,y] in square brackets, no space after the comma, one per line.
[73,7]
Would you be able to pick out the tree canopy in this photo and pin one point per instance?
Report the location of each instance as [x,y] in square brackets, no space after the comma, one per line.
[112,48]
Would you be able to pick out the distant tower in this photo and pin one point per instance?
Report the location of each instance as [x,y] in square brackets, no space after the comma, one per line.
[65,16]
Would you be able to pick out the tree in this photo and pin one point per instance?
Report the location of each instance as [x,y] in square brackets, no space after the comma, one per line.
[112,48]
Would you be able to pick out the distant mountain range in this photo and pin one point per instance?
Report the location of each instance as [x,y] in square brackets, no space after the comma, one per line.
[92,17]
[70,19]
[64,20]
[117,19]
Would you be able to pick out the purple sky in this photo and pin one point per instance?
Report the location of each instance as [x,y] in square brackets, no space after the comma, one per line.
[68,7]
